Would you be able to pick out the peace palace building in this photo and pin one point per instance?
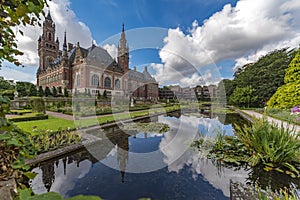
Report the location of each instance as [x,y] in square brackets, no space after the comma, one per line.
[80,69]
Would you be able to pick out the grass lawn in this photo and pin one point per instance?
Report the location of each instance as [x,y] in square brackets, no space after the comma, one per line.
[52,123]
[55,124]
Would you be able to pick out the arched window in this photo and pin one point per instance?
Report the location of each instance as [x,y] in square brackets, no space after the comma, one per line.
[117,84]
[78,80]
[95,80]
[49,36]
[107,82]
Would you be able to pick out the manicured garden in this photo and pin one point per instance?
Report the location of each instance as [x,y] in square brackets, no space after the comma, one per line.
[63,124]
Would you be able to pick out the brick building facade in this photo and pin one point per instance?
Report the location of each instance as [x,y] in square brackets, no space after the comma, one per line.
[80,69]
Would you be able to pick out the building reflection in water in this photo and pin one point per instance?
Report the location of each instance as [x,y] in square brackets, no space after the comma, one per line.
[116,139]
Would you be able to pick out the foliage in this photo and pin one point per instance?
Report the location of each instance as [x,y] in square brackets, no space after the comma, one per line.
[33,91]
[243,96]
[20,112]
[66,92]
[38,104]
[27,194]
[8,93]
[264,76]
[29,117]
[46,140]
[47,92]
[6,85]
[104,94]
[14,145]
[223,148]
[283,115]
[147,127]
[268,194]
[262,143]
[54,91]
[41,92]
[98,94]
[288,95]
[64,124]
[12,14]
[4,109]
[275,147]
[228,87]
[59,90]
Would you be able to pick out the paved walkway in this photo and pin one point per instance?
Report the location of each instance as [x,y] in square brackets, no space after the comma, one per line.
[60,115]
[272,120]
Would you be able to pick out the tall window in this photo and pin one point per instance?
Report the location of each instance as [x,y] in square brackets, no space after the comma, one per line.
[78,80]
[107,82]
[117,84]
[95,80]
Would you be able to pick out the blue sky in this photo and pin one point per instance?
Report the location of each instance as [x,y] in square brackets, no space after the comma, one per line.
[182,42]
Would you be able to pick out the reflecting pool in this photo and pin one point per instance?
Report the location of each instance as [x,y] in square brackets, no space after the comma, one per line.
[133,165]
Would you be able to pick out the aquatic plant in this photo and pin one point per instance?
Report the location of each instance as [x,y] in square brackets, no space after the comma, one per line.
[268,194]
[46,140]
[277,148]
[147,127]
[27,194]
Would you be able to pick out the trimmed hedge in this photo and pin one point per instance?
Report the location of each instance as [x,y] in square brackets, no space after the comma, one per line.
[20,112]
[31,118]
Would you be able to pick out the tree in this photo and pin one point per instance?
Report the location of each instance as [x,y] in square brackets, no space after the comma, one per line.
[41,92]
[243,96]
[66,92]
[47,91]
[288,95]
[32,91]
[98,95]
[89,93]
[54,91]
[265,76]
[6,84]
[104,94]
[12,14]
[228,86]
[21,89]
[59,90]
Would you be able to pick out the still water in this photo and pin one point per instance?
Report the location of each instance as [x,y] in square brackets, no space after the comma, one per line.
[132,165]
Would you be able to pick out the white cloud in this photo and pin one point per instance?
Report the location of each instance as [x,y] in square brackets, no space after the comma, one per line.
[65,20]
[17,75]
[111,49]
[243,33]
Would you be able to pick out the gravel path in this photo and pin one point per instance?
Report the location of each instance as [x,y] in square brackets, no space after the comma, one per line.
[60,115]
[272,120]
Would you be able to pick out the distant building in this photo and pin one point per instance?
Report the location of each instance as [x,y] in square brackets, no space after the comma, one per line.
[165,94]
[80,69]
[176,92]
[206,92]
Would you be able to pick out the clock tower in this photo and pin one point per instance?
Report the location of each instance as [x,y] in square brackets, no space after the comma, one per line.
[48,47]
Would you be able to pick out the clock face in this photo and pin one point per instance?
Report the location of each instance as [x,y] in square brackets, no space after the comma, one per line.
[49,59]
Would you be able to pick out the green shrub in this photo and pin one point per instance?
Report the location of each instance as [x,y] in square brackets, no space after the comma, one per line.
[274,147]
[38,104]
[20,112]
[29,118]
[46,140]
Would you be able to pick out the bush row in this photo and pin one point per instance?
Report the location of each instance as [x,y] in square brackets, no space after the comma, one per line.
[30,118]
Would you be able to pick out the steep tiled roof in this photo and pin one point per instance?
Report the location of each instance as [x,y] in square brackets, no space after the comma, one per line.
[142,77]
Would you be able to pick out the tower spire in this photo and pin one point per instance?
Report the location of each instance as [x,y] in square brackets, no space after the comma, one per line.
[123,51]
[49,16]
[65,42]
[123,42]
